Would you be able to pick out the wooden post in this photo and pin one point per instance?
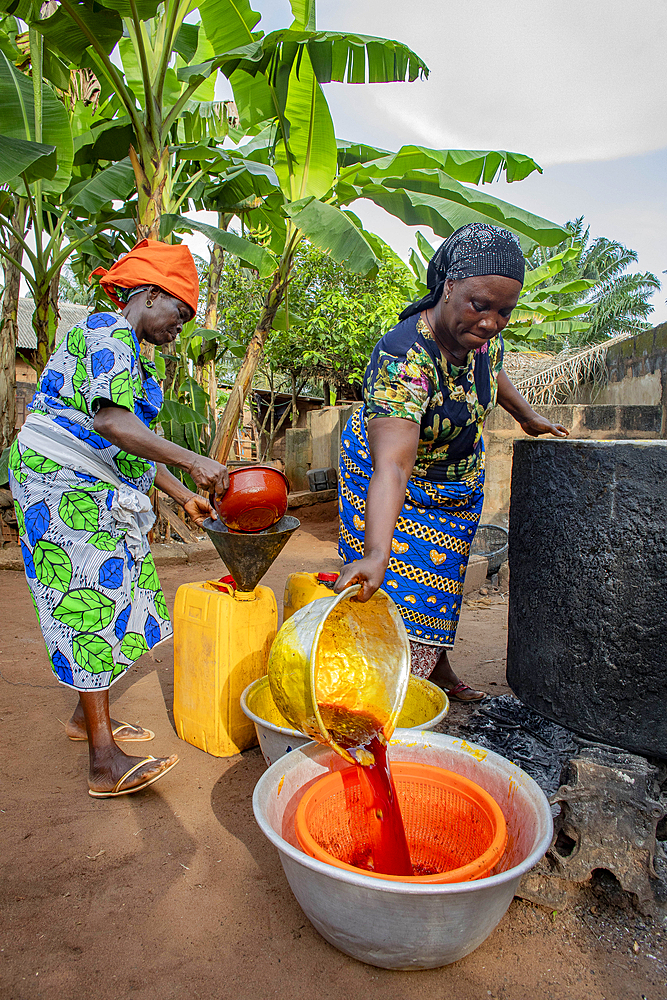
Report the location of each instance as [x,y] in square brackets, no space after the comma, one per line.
[226,430]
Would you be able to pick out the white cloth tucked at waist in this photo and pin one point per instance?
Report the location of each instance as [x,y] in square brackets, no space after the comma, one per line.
[131,510]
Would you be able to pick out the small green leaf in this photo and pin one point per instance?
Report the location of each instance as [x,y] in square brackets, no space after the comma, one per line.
[161,605]
[93,653]
[131,467]
[85,610]
[76,342]
[38,463]
[19,517]
[126,337]
[80,376]
[121,390]
[53,567]
[148,578]
[104,540]
[79,511]
[133,645]
[14,458]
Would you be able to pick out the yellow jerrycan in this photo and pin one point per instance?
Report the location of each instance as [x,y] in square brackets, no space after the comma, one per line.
[222,639]
[302,588]
[339,671]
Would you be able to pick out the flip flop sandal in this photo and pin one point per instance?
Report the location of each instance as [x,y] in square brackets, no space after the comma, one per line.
[136,737]
[116,790]
[459,689]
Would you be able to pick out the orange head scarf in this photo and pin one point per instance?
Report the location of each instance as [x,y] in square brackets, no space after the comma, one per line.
[169,266]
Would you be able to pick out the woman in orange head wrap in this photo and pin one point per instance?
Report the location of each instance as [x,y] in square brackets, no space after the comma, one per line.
[80,472]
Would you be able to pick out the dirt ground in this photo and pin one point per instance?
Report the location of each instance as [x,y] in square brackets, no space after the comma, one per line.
[174,892]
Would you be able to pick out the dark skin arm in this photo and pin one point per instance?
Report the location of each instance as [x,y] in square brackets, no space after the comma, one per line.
[393,443]
[531,422]
[126,431]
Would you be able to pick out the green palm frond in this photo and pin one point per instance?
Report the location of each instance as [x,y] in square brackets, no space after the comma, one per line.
[618,302]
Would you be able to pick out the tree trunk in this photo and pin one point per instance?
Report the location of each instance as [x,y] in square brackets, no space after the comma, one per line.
[151,179]
[224,435]
[206,362]
[45,321]
[9,332]
[295,404]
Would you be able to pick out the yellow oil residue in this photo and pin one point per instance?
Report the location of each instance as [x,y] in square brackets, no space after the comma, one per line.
[475,752]
[350,657]
[280,785]
[263,705]
[422,703]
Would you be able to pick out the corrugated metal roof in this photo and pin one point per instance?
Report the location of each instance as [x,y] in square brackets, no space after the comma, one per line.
[70,315]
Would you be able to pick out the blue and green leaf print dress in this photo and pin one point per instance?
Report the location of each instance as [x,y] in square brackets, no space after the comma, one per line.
[99,607]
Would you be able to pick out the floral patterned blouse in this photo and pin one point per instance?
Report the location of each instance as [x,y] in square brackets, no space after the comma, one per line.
[101,360]
[408,377]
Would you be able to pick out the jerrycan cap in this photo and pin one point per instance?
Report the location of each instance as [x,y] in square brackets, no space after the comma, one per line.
[328,579]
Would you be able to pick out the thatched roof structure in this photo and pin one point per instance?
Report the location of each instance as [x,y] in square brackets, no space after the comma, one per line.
[545,379]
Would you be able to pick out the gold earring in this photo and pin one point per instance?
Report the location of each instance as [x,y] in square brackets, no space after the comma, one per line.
[446,298]
[149,303]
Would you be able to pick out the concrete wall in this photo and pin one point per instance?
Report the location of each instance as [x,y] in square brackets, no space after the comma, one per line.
[603,423]
[646,390]
[637,357]
[637,372]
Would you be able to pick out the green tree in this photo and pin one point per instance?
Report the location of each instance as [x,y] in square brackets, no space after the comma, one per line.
[613,300]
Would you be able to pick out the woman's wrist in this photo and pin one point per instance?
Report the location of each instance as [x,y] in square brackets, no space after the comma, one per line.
[379,556]
[172,486]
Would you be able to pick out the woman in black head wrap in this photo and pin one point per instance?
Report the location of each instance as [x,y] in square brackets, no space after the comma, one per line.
[411,483]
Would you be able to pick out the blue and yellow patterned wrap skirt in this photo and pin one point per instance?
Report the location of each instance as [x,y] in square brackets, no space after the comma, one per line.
[431,543]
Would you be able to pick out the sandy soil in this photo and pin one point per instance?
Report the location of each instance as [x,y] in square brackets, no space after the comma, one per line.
[175,893]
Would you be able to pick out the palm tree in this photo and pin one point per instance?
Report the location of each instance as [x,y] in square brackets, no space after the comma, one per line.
[618,301]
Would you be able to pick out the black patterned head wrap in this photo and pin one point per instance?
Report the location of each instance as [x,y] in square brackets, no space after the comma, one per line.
[473,250]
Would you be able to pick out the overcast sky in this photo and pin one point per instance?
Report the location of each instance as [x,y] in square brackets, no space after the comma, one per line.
[580,85]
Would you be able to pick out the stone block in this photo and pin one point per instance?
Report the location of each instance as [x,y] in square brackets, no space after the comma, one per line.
[169,553]
[597,418]
[476,573]
[324,426]
[298,457]
[307,499]
[641,418]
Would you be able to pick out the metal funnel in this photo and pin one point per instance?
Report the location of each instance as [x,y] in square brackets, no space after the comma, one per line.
[248,556]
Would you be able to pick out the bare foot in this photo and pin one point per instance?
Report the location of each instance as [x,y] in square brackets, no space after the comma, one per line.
[107,771]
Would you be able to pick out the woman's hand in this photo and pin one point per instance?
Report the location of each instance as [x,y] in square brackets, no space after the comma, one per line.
[207,474]
[369,572]
[535,425]
[199,509]
[531,422]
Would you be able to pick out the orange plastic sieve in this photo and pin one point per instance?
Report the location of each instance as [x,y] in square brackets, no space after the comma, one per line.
[454,828]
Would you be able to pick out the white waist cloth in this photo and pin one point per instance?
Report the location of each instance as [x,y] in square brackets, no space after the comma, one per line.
[131,510]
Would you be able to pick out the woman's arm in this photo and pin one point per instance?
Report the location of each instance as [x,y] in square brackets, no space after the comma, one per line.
[531,422]
[197,507]
[126,431]
[393,443]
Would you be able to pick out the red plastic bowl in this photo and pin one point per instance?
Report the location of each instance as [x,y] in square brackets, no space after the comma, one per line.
[256,498]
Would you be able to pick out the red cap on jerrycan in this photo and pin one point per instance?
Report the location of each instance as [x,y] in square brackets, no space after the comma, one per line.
[328,579]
